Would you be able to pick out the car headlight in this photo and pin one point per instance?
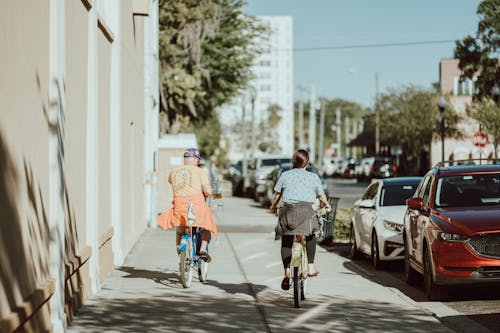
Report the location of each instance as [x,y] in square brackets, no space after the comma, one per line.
[396,227]
[449,237]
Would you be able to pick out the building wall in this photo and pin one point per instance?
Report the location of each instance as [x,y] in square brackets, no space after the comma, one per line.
[460,96]
[133,178]
[24,130]
[28,276]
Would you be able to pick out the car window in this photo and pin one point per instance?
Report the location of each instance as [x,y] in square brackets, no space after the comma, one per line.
[427,191]
[396,194]
[274,161]
[420,189]
[371,191]
[468,190]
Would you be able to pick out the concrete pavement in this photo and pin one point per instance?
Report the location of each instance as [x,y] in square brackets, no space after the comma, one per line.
[243,291]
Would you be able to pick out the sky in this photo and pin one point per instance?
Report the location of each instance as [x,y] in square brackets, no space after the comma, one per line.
[349,73]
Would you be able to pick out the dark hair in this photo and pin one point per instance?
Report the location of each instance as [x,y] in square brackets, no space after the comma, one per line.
[300,158]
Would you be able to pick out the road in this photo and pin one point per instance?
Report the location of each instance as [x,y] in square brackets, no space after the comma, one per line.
[243,290]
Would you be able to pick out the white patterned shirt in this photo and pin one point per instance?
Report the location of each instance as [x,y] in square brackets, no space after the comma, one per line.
[299,185]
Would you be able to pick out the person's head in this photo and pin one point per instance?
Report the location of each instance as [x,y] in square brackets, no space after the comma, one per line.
[300,159]
[192,156]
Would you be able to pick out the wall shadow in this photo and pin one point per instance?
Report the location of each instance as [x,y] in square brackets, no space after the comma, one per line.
[24,238]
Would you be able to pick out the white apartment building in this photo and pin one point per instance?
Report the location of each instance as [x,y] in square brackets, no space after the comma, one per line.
[273,84]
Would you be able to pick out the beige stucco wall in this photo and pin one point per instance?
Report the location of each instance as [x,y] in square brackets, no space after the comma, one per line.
[132,129]
[24,194]
[75,165]
[104,81]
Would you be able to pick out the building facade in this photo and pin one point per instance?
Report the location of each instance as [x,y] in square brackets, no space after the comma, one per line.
[273,85]
[460,96]
[78,131]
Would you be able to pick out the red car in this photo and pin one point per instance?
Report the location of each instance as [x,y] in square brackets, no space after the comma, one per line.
[452,228]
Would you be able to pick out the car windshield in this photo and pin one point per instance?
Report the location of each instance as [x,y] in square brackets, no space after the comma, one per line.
[468,190]
[274,161]
[396,194]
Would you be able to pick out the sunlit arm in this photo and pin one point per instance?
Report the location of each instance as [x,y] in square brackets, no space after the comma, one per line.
[276,199]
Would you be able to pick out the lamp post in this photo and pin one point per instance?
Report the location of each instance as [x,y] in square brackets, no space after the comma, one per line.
[253,96]
[442,107]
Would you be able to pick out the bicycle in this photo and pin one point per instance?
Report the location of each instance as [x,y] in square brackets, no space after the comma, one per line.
[189,258]
[299,263]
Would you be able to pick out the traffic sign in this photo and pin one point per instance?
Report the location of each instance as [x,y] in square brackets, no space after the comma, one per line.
[480,139]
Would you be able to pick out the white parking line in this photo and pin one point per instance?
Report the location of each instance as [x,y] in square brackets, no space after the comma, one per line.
[273,264]
[254,256]
[309,315]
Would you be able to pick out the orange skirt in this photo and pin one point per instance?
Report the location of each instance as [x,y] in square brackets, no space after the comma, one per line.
[177,215]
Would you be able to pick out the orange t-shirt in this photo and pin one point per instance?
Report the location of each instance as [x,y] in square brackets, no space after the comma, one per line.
[188,180]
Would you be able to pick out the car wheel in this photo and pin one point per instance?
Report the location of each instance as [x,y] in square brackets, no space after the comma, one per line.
[375,254]
[354,252]
[433,291]
[411,275]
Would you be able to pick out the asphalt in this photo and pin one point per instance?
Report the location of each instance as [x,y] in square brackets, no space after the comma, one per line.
[243,290]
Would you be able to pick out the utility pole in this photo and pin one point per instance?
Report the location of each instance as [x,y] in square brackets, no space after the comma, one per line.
[347,124]
[338,123]
[321,150]
[244,143]
[377,118]
[253,95]
[312,125]
[301,124]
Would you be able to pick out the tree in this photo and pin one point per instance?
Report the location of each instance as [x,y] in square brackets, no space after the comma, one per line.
[478,55]
[268,136]
[410,118]
[487,113]
[206,49]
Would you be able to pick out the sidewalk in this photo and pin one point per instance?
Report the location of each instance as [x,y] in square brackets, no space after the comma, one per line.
[243,292]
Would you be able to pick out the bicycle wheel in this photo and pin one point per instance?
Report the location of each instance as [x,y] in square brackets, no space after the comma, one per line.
[296,287]
[203,271]
[185,265]
[305,271]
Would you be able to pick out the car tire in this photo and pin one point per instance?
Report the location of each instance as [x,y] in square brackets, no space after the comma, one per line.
[411,275]
[432,291]
[375,252]
[354,252]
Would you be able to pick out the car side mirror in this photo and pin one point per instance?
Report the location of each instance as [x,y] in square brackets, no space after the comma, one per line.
[367,203]
[415,203]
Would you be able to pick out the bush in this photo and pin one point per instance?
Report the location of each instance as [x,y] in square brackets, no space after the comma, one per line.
[342,224]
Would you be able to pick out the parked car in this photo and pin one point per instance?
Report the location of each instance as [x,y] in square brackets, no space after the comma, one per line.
[267,190]
[382,167]
[377,219]
[332,166]
[452,228]
[235,176]
[260,168]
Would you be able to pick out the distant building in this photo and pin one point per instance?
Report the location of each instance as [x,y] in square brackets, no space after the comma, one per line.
[273,84]
[460,96]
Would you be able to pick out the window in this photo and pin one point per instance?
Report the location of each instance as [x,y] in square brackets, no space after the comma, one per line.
[265,63]
[371,192]
[463,87]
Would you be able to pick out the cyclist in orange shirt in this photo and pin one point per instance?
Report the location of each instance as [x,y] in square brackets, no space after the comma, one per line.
[190,184]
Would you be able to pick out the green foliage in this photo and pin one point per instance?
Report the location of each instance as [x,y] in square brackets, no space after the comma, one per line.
[208,133]
[410,117]
[487,113]
[342,224]
[348,109]
[267,140]
[478,54]
[206,49]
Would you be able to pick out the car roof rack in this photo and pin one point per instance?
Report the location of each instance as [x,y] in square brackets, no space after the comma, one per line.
[470,161]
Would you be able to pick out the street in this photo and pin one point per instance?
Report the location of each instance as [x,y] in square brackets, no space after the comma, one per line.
[243,289]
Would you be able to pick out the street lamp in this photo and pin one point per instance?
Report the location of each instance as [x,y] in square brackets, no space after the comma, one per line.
[253,96]
[442,107]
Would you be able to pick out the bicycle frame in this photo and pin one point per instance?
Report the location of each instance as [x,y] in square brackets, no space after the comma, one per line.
[193,260]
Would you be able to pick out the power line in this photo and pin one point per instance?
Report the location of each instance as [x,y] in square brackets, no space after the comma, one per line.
[365,46]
